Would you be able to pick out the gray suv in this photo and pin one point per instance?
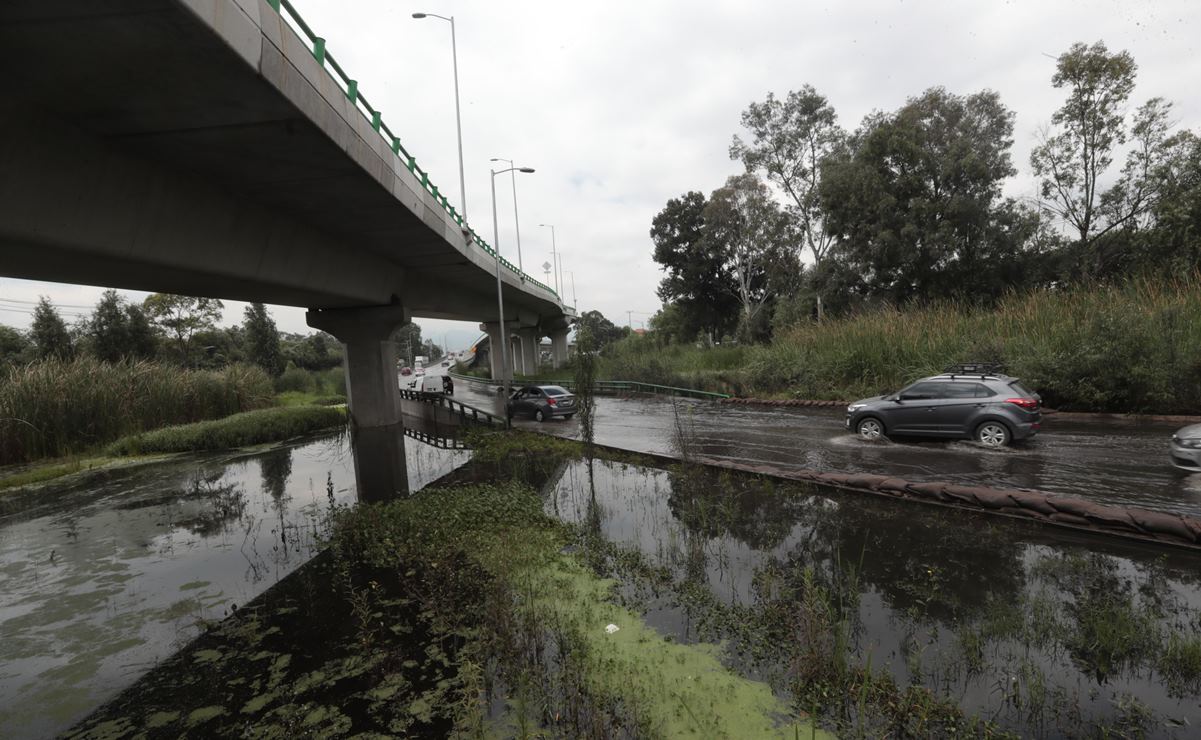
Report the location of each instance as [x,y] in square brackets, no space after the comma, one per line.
[966,402]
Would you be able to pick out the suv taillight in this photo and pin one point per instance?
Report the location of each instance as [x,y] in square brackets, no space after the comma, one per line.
[1027,404]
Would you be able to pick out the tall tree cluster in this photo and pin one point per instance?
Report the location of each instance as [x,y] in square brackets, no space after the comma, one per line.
[172,328]
[910,206]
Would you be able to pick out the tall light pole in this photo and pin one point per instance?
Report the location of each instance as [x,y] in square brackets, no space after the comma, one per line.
[554,255]
[500,296]
[454,53]
[574,302]
[516,222]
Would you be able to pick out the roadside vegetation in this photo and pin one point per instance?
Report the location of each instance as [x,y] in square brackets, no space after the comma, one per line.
[1134,346]
[239,430]
[54,408]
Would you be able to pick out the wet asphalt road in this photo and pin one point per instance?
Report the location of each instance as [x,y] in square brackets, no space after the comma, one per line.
[1123,463]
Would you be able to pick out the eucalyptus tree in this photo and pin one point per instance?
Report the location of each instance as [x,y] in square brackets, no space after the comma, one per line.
[789,142]
[1074,155]
[745,226]
[181,318]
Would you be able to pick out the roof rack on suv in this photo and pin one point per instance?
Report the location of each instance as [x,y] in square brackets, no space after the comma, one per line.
[975,368]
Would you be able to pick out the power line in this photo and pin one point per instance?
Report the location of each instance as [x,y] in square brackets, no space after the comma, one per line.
[34,303]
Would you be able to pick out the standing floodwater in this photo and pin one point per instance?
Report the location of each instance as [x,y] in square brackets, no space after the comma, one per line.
[99,581]
[846,604]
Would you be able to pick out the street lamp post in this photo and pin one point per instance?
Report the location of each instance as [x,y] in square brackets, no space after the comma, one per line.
[500,296]
[554,255]
[454,52]
[516,222]
[574,302]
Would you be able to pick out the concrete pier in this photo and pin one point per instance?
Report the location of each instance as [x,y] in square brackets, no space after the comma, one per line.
[373,394]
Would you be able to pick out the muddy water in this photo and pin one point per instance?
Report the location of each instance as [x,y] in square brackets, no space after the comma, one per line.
[100,580]
[1122,463]
[1001,619]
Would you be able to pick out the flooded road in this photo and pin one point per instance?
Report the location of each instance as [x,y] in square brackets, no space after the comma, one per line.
[1121,463]
[101,580]
[1049,636]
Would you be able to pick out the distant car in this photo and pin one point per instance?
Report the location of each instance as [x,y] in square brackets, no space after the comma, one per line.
[406,371]
[419,371]
[542,402]
[1186,448]
[971,401]
[446,363]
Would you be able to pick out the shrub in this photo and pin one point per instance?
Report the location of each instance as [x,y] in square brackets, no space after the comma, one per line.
[296,379]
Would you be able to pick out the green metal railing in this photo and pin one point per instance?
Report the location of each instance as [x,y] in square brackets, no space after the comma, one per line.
[351,88]
[606,386]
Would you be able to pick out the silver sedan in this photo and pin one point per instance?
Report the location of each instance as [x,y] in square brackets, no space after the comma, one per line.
[1186,448]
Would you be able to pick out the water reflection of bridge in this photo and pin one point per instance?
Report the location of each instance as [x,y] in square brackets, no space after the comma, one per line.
[442,421]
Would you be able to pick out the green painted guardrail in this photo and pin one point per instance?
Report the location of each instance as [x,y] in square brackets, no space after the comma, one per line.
[607,385]
[351,88]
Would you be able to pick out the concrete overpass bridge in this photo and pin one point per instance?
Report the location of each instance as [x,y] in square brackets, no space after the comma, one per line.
[217,148]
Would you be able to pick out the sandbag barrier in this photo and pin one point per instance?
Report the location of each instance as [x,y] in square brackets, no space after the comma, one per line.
[783,402]
[1054,510]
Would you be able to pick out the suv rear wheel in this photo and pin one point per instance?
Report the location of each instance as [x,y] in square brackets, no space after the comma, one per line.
[992,434]
[870,428]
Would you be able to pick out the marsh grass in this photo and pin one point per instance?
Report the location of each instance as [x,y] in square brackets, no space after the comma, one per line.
[238,430]
[1130,347]
[54,408]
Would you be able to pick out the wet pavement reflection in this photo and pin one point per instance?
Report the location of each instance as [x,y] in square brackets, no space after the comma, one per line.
[1121,463]
[100,580]
[1003,618]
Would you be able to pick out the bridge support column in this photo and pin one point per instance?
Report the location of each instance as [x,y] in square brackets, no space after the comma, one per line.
[515,356]
[529,350]
[496,335]
[373,394]
[558,347]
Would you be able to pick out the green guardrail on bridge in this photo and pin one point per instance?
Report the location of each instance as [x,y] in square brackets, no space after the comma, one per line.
[351,88]
[607,385]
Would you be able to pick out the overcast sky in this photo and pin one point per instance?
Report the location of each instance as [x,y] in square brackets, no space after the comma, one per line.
[623,105]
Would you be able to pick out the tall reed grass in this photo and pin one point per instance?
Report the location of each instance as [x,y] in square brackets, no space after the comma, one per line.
[1131,347]
[53,408]
[641,359]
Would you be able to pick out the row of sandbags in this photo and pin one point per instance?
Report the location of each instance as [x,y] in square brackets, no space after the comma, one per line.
[1051,509]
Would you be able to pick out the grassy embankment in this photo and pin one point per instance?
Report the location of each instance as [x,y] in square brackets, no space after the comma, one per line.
[77,415]
[1132,348]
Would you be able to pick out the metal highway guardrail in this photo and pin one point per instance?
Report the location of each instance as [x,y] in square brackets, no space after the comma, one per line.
[603,386]
[351,87]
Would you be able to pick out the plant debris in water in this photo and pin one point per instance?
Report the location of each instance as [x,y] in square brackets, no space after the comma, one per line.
[454,611]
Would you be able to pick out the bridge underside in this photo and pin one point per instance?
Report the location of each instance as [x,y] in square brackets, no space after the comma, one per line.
[198,147]
[139,150]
